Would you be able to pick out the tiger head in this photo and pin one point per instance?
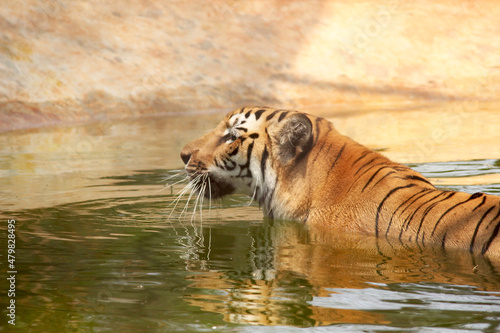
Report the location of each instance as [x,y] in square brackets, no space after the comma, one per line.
[248,151]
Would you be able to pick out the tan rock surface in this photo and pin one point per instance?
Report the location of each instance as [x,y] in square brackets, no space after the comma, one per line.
[64,61]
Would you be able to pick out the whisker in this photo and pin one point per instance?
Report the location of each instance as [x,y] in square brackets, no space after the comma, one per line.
[252,198]
[199,200]
[187,187]
[171,186]
[205,181]
[177,182]
[195,189]
[166,179]
[181,193]
[177,200]
[184,210]
[209,197]
[209,249]
[201,240]
[202,187]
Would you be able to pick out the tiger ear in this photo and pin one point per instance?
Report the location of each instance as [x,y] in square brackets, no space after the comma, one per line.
[294,137]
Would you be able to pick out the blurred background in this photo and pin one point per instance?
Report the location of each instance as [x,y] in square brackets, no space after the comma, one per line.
[67,61]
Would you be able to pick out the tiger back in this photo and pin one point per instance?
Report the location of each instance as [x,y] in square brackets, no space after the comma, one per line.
[298,167]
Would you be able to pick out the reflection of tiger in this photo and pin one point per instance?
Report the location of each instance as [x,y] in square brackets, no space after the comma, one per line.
[298,167]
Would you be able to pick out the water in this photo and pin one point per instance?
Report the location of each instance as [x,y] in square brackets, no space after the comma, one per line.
[99,249]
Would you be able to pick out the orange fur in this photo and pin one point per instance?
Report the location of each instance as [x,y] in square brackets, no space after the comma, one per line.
[299,167]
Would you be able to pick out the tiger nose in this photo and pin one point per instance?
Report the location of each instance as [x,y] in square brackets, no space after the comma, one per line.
[185,157]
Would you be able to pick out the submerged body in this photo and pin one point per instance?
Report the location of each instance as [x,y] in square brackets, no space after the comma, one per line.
[298,167]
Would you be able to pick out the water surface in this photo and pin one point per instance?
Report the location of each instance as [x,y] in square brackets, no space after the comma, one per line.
[101,248]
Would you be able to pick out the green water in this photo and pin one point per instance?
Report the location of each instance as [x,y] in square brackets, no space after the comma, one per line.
[99,248]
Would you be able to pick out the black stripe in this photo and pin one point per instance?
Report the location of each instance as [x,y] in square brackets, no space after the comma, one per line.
[235,151]
[476,195]
[443,240]
[330,147]
[319,151]
[223,139]
[254,135]
[367,170]
[248,114]
[401,205]
[449,210]
[428,209]
[422,179]
[249,174]
[367,163]
[267,200]
[361,157]
[242,129]
[249,152]
[247,164]
[258,113]
[317,129]
[329,125]
[373,176]
[217,163]
[272,115]
[427,191]
[471,246]
[494,234]
[283,115]
[226,167]
[387,174]
[408,220]
[263,161]
[482,203]
[391,192]
[336,159]
[496,216]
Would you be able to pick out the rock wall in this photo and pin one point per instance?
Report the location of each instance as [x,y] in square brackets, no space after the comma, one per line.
[65,61]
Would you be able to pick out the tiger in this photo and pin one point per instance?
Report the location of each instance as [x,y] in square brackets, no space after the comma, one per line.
[298,167]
